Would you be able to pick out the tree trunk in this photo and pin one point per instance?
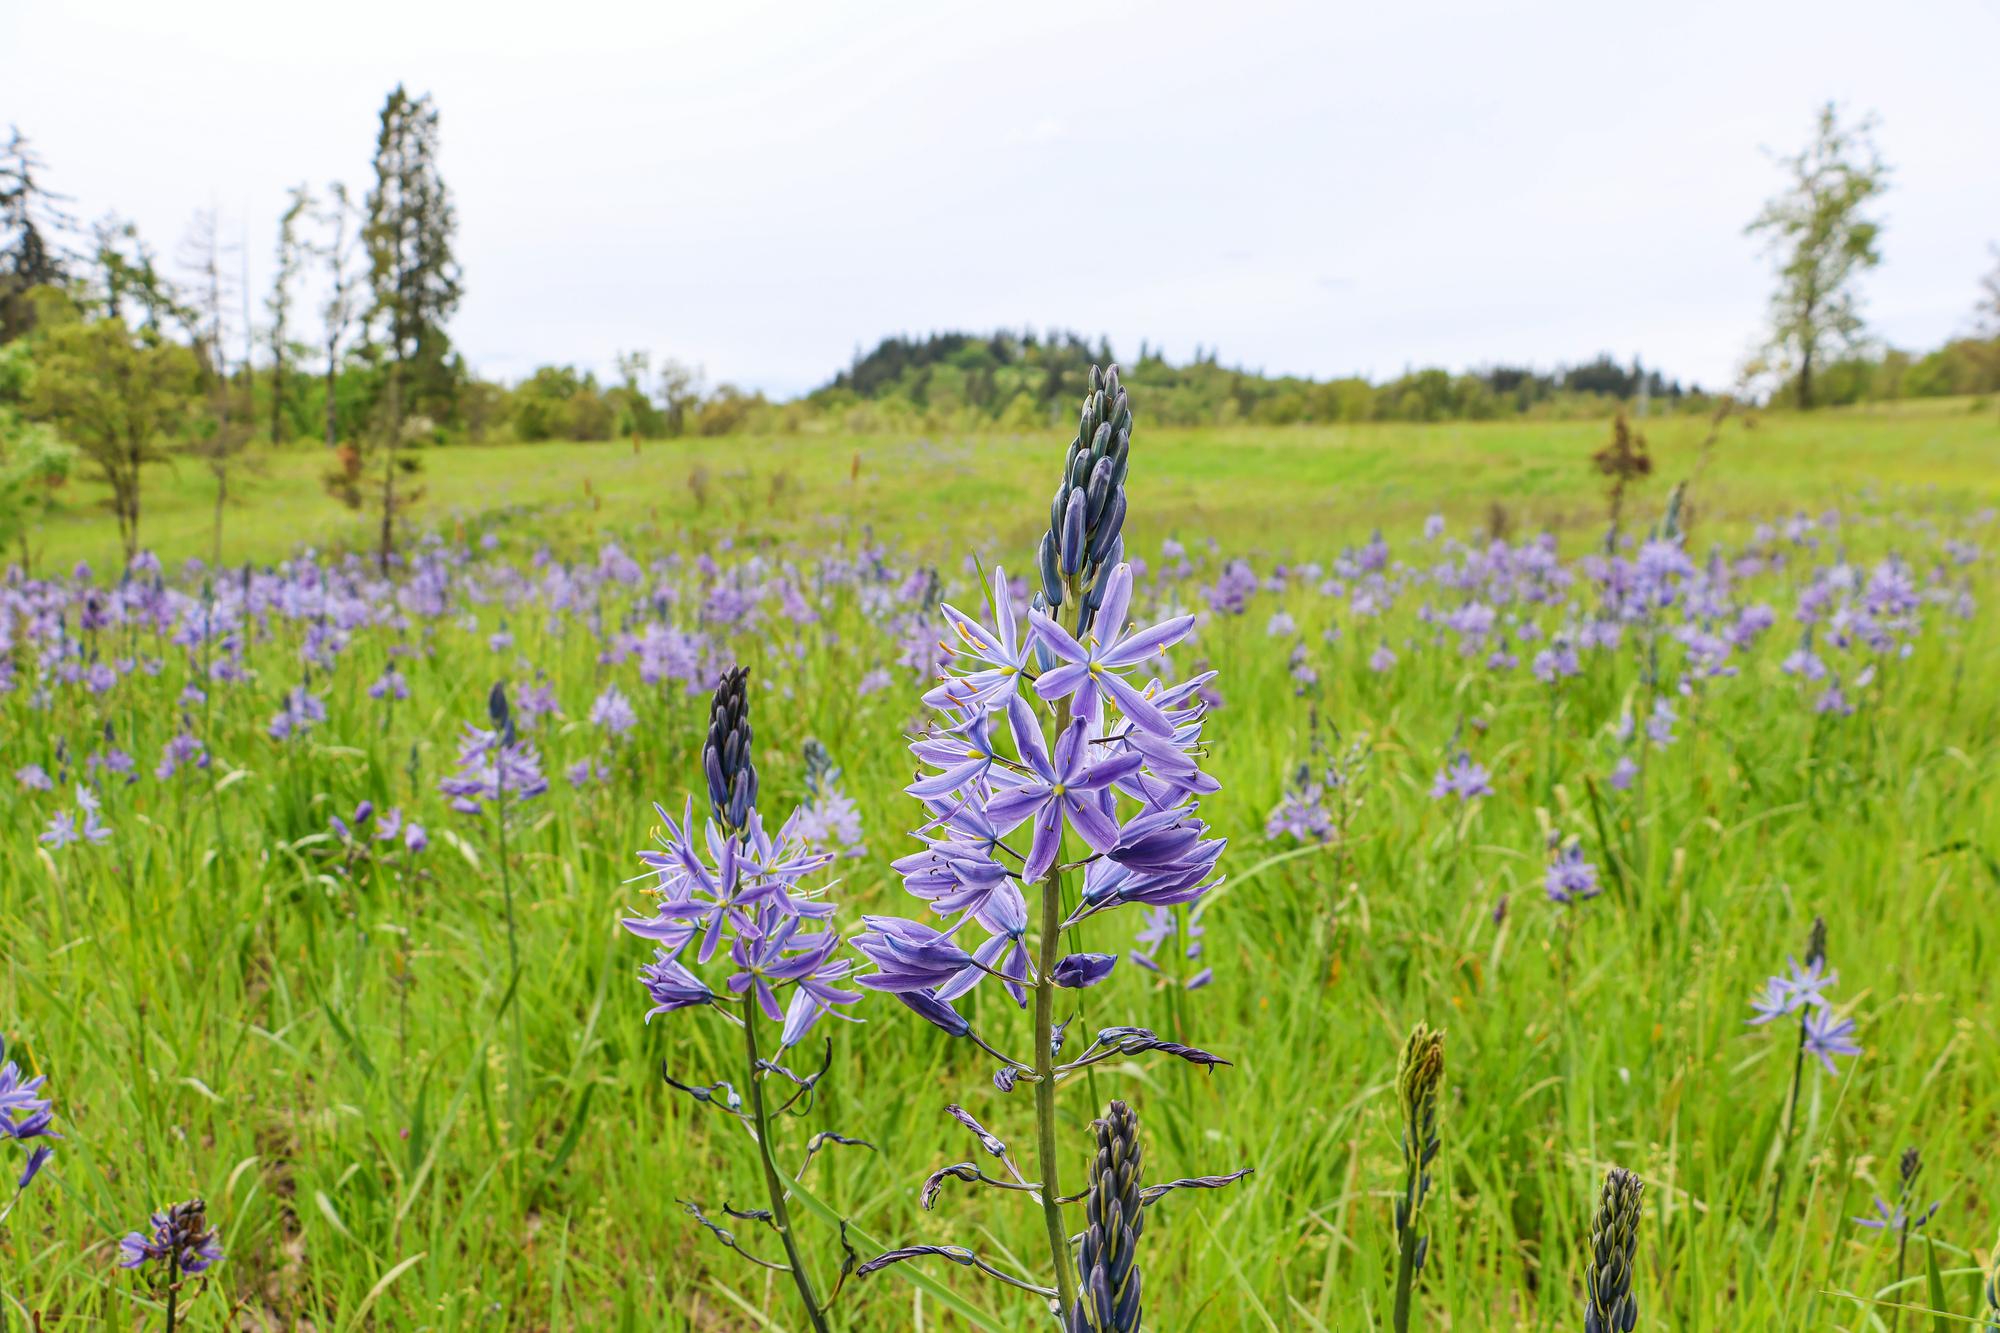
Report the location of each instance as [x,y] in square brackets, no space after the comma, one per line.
[389,465]
[332,375]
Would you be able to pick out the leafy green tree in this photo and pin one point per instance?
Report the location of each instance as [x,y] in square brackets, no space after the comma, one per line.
[34,460]
[120,397]
[128,280]
[1818,231]
[415,281]
[29,223]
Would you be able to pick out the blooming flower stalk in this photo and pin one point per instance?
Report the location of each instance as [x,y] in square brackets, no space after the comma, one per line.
[735,930]
[1064,782]
[181,1241]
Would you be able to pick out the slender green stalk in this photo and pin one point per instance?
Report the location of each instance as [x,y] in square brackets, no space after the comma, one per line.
[774,1184]
[519,1080]
[173,1287]
[1791,1118]
[1047,1152]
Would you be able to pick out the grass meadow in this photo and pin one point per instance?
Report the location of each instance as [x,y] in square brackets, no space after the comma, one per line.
[394,1129]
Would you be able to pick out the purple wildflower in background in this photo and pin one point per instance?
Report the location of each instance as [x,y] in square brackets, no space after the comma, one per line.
[1301,813]
[1381,660]
[33,777]
[613,711]
[25,1118]
[65,828]
[181,750]
[585,772]
[1827,1036]
[1465,779]
[389,685]
[1800,988]
[181,1240]
[1660,726]
[1161,926]
[1624,773]
[303,710]
[488,767]
[1570,876]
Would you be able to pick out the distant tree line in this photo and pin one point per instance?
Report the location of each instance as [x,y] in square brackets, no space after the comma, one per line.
[1023,379]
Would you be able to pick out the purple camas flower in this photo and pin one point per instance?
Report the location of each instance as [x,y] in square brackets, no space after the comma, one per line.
[181,750]
[32,777]
[65,828]
[739,886]
[1301,813]
[302,711]
[494,765]
[1464,779]
[389,685]
[1066,790]
[613,711]
[1570,877]
[25,1118]
[1827,1036]
[1624,773]
[181,1240]
[1801,988]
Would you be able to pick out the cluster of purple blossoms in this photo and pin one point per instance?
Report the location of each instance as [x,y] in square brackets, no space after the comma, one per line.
[1122,777]
[1301,813]
[1802,991]
[1571,877]
[1465,778]
[181,1239]
[65,828]
[494,765]
[25,1118]
[730,882]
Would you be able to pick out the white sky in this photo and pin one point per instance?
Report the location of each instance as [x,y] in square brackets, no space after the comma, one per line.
[1324,188]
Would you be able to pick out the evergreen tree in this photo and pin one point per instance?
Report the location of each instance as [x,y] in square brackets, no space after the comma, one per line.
[29,223]
[414,279]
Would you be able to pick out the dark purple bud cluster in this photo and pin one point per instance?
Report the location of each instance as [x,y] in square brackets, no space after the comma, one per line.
[1107,1261]
[1087,515]
[726,759]
[1610,1306]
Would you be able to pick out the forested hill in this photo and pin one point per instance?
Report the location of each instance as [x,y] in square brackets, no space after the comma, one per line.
[1023,378]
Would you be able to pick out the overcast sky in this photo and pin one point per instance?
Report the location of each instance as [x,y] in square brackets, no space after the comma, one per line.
[1322,189]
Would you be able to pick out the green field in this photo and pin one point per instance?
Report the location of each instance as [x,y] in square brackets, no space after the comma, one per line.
[229,1002]
[1264,487]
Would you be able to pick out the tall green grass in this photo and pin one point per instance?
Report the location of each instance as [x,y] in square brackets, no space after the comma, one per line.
[331,1063]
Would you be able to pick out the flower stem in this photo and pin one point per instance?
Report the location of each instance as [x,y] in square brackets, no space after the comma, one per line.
[173,1287]
[1406,1235]
[774,1185]
[1046,1151]
[1791,1116]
